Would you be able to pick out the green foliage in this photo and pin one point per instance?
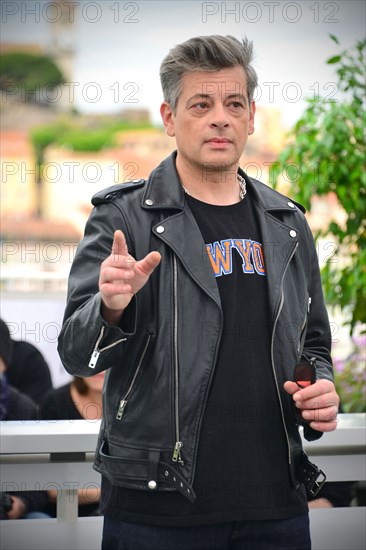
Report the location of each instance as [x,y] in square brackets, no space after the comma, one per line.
[326,155]
[80,139]
[28,73]
[42,136]
[124,126]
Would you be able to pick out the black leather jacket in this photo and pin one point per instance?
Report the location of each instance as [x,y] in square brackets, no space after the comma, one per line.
[161,358]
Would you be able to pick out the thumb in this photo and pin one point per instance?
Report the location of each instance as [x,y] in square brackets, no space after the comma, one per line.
[150,262]
[291,387]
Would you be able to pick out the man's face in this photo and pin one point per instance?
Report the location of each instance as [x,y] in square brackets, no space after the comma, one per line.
[212,120]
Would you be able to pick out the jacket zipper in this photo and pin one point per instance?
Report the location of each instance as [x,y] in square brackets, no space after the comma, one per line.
[96,352]
[123,402]
[272,351]
[177,457]
[304,324]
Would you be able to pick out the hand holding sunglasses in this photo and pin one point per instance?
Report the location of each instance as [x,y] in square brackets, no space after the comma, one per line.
[317,406]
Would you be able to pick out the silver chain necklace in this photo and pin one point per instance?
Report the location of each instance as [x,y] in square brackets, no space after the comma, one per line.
[242,186]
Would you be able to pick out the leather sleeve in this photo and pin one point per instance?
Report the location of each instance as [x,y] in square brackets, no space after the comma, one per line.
[318,335]
[83,324]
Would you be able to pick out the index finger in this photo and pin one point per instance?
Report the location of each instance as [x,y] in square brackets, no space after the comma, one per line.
[119,246]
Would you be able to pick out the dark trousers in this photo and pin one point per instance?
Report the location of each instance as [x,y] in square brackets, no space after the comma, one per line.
[283,534]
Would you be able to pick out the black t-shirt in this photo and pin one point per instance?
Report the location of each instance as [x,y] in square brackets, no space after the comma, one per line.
[58,405]
[242,471]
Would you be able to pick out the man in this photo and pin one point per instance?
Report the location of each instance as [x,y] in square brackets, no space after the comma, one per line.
[199,291]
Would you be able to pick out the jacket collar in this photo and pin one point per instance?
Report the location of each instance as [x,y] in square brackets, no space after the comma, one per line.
[164,190]
[270,199]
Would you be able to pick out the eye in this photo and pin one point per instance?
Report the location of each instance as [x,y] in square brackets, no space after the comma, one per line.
[236,105]
[201,106]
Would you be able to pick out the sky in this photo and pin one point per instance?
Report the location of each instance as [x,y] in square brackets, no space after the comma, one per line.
[119,45]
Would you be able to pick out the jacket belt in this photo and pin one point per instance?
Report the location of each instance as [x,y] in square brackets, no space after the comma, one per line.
[157,472]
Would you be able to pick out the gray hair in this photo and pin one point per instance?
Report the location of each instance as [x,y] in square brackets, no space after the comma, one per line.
[205,53]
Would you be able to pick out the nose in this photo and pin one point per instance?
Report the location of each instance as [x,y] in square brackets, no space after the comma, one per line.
[219,118]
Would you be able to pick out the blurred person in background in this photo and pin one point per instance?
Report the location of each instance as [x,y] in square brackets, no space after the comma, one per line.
[333,494]
[27,369]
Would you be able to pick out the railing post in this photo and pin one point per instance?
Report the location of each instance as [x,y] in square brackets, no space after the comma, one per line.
[67,505]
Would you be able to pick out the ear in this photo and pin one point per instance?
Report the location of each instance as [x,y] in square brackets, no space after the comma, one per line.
[251,118]
[167,117]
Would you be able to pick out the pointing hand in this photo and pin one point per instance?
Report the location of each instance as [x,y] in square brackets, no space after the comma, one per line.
[121,276]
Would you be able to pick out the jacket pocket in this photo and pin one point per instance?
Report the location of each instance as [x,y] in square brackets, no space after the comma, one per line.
[135,377]
[120,463]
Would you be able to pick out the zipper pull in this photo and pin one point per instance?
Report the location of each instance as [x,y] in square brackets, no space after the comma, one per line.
[95,355]
[309,304]
[176,453]
[94,358]
[121,409]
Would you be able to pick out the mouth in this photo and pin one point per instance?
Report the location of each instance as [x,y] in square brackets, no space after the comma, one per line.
[218,140]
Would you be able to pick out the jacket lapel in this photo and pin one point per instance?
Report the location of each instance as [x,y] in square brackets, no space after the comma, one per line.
[278,246]
[178,228]
[278,238]
[182,235]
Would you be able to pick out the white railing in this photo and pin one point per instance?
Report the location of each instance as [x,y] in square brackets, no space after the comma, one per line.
[59,454]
